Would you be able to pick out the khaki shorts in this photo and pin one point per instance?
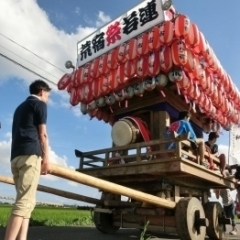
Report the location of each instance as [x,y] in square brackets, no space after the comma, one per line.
[26,173]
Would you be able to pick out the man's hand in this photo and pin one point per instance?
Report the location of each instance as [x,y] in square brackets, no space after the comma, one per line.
[45,167]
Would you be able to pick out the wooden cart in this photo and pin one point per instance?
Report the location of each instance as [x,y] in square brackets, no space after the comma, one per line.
[174,176]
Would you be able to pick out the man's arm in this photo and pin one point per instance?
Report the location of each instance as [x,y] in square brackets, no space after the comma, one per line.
[43,137]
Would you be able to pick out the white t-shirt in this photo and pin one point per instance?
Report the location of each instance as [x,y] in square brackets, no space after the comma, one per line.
[226,197]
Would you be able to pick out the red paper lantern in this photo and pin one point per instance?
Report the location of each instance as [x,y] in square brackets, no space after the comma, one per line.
[74,100]
[104,84]
[121,53]
[103,68]
[119,74]
[64,81]
[184,83]
[202,46]
[94,88]
[115,85]
[87,94]
[182,26]
[142,44]
[166,33]
[130,68]
[131,49]
[153,64]
[179,52]
[112,62]
[198,74]
[142,66]
[192,37]
[191,61]
[94,72]
[165,57]
[153,39]
[86,73]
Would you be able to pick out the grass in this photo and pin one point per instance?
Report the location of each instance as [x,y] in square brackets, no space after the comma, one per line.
[51,216]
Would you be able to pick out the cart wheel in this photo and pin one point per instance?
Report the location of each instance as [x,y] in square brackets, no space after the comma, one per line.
[190,219]
[214,213]
[104,222]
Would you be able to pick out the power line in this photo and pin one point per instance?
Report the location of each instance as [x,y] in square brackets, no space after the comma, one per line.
[31,52]
[27,61]
[26,68]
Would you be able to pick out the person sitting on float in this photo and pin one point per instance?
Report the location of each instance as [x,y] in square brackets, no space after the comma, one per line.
[183,126]
[212,148]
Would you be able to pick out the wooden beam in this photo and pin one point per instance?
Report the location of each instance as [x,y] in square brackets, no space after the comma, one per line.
[75,176]
[57,192]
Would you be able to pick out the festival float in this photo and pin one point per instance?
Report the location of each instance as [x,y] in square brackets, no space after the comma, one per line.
[136,73]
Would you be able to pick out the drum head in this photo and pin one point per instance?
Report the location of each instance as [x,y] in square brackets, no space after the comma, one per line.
[122,133]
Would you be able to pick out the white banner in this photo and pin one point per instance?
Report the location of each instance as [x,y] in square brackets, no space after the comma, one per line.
[234,148]
[139,19]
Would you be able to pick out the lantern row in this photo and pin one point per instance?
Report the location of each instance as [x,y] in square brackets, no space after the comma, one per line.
[174,47]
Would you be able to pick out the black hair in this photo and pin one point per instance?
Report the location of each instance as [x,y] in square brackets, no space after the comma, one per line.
[184,114]
[37,86]
[212,135]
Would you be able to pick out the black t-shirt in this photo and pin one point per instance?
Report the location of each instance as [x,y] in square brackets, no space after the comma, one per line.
[25,138]
[213,148]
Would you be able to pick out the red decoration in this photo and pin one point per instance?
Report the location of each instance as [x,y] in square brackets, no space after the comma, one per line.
[153,39]
[142,44]
[179,52]
[165,58]
[130,68]
[142,66]
[182,26]
[64,81]
[119,74]
[192,37]
[112,62]
[153,64]
[104,84]
[74,100]
[166,33]
[121,56]
[94,72]
[131,49]
[103,68]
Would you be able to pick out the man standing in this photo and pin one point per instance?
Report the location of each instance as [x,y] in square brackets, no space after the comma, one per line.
[29,156]
[228,205]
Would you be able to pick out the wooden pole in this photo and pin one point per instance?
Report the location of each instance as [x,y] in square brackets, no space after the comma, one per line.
[57,192]
[109,187]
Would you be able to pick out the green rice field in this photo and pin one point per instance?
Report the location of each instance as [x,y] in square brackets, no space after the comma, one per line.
[51,216]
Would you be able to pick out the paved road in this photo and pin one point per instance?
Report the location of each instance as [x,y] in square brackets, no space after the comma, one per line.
[89,233]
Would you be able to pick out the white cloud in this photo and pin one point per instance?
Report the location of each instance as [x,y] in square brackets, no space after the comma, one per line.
[102,19]
[27,24]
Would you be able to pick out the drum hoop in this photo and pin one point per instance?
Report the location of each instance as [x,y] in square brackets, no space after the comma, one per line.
[132,127]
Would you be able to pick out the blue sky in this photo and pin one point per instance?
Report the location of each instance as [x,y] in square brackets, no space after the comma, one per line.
[51,29]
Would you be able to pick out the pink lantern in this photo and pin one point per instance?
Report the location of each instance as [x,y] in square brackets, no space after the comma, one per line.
[166,33]
[165,57]
[182,26]
[142,66]
[153,39]
[179,52]
[112,62]
[192,36]
[121,53]
[131,49]
[153,64]
[142,44]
